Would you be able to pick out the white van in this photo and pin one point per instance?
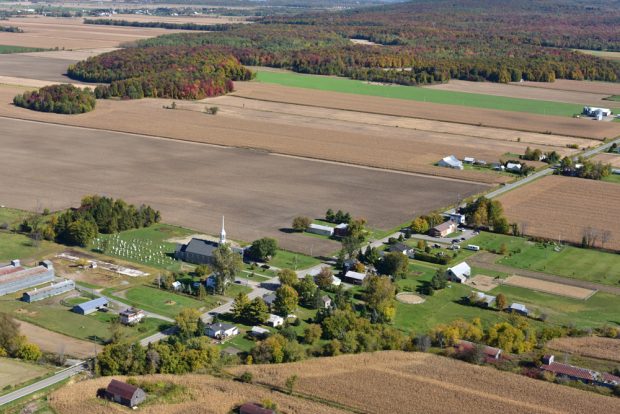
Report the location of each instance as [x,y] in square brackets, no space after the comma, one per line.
[473,247]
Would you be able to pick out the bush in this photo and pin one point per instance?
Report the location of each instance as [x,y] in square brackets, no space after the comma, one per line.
[246,377]
[60,99]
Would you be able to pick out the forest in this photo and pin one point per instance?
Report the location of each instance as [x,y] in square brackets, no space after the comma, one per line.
[182,72]
[160,25]
[424,41]
[60,99]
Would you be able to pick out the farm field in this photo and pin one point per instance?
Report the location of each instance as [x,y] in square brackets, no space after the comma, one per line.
[204,394]
[177,19]
[609,88]
[14,372]
[364,381]
[516,91]
[50,341]
[425,110]
[70,33]
[5,50]
[35,68]
[14,246]
[248,187]
[549,287]
[444,96]
[589,346]
[602,54]
[608,158]
[573,262]
[563,207]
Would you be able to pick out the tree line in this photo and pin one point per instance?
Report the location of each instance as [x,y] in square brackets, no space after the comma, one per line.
[160,25]
[60,99]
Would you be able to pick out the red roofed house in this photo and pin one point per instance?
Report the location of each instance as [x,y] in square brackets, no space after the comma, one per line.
[490,353]
[579,374]
[125,394]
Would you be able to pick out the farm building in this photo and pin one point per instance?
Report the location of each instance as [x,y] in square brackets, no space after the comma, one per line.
[574,373]
[513,167]
[91,306]
[443,229]
[258,332]
[490,353]
[451,162]
[496,166]
[518,308]
[200,251]
[221,330]
[596,112]
[131,316]
[269,299]
[275,320]
[321,230]
[125,394]
[48,291]
[336,281]
[469,160]
[356,278]
[341,230]
[253,408]
[482,299]
[401,248]
[459,273]
[14,277]
[326,302]
[457,218]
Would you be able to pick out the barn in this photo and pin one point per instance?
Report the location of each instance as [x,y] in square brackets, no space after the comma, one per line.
[48,291]
[91,306]
[125,394]
[15,277]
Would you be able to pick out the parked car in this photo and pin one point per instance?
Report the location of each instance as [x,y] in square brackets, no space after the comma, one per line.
[463,239]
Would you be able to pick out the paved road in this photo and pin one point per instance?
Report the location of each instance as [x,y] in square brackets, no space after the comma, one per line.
[488,261]
[37,386]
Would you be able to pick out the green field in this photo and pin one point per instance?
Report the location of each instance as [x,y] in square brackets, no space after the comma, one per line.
[444,306]
[14,372]
[19,246]
[336,84]
[296,261]
[163,302]
[612,178]
[6,49]
[573,262]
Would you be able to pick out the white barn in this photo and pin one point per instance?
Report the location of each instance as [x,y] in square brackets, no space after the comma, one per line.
[451,162]
[459,273]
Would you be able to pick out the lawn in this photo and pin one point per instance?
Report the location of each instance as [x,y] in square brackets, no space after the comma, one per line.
[14,372]
[163,302]
[612,178]
[285,259]
[19,246]
[5,49]
[147,246]
[336,84]
[573,262]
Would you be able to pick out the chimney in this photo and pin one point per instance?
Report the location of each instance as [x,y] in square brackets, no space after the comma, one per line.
[16,262]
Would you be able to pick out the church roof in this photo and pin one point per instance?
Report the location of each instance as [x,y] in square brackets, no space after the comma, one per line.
[200,246]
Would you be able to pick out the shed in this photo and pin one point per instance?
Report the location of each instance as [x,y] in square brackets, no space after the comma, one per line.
[451,162]
[125,394]
[321,230]
[258,332]
[355,277]
[341,230]
[519,308]
[336,281]
[513,166]
[91,306]
[48,291]
[275,320]
[482,299]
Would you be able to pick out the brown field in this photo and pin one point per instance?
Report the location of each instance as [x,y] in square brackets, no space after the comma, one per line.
[398,382]
[14,372]
[71,33]
[424,110]
[57,343]
[549,287]
[482,283]
[563,207]
[195,184]
[603,88]
[516,91]
[608,158]
[311,132]
[590,346]
[206,395]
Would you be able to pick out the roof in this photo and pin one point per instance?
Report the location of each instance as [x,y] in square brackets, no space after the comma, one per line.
[488,350]
[14,273]
[269,298]
[121,389]
[220,326]
[485,298]
[93,304]
[513,166]
[469,159]
[452,160]
[399,247]
[321,227]
[252,408]
[342,226]
[326,298]
[564,369]
[200,246]
[52,287]
[355,275]
[259,330]
[461,269]
[445,225]
[336,281]
[518,306]
[273,318]
[131,311]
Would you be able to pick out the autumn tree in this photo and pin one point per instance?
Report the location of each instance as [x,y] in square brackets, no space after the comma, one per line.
[501,302]
[226,264]
[301,223]
[288,277]
[379,296]
[188,322]
[286,300]
[325,278]
[312,333]
[420,225]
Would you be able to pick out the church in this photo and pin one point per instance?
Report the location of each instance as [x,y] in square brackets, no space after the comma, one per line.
[200,251]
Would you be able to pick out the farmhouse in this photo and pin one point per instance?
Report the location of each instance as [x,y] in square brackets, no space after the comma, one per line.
[275,320]
[513,167]
[356,278]
[401,248]
[14,277]
[125,394]
[459,273]
[200,251]
[48,291]
[131,316]
[490,353]
[91,306]
[574,373]
[221,330]
[450,162]
[518,308]
[481,299]
[253,408]
[443,229]
[321,230]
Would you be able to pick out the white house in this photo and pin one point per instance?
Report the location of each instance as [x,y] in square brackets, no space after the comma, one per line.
[321,230]
[221,330]
[355,277]
[275,320]
[457,218]
[518,308]
[131,316]
[451,162]
[513,167]
[459,273]
[483,299]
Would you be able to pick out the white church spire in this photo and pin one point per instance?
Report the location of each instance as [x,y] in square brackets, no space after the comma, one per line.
[223,233]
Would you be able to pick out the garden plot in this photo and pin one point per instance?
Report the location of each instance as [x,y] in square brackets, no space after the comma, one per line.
[549,287]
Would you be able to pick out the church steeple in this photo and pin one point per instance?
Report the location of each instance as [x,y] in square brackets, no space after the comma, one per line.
[223,233]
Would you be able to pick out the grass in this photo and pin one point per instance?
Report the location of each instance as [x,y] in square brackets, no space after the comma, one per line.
[162,302]
[151,246]
[612,178]
[336,84]
[14,372]
[6,49]
[613,98]
[572,262]
[602,54]
[296,261]
[19,246]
